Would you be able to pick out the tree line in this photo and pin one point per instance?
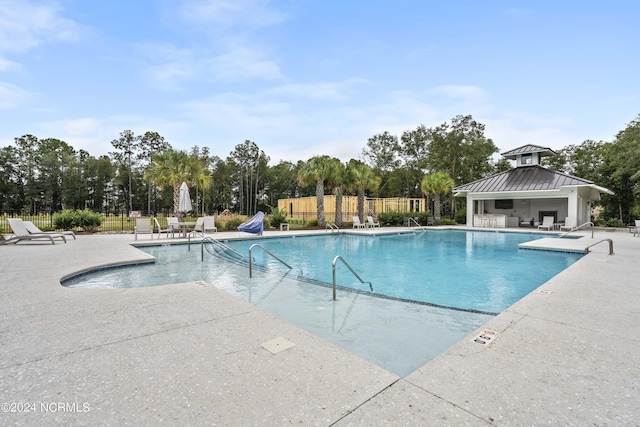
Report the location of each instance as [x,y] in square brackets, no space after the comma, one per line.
[140,173]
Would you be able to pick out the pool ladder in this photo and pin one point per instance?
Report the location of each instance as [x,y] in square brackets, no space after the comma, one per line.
[332,227]
[410,220]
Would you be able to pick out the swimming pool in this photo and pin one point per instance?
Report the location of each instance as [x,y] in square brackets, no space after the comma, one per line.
[468,270]
[396,334]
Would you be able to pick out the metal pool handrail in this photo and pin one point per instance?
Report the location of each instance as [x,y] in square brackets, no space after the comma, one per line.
[586,250]
[261,247]
[216,242]
[411,219]
[578,228]
[333,272]
[332,226]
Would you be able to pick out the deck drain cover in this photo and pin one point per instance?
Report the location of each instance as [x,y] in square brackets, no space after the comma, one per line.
[277,345]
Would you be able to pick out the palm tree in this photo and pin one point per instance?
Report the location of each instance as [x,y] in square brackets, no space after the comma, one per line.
[435,184]
[337,180]
[317,170]
[173,167]
[363,178]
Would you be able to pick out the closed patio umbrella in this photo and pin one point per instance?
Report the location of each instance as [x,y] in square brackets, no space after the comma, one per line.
[184,204]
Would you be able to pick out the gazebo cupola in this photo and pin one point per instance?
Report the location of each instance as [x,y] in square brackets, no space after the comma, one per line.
[528,155]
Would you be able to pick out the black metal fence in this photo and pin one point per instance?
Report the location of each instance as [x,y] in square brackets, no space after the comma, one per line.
[113,223]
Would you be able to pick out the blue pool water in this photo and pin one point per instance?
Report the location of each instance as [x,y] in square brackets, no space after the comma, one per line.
[471,270]
[479,272]
[468,270]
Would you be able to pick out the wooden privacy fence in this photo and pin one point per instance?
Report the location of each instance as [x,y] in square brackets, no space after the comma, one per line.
[304,208]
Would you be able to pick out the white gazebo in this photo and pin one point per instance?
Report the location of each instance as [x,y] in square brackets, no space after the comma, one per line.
[524,195]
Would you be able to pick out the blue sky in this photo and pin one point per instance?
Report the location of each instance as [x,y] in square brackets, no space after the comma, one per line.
[309,77]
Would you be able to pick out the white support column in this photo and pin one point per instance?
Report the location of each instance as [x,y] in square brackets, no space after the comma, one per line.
[469,210]
[573,208]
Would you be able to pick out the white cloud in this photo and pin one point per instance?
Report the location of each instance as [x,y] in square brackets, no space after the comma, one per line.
[224,15]
[508,131]
[11,96]
[317,91]
[25,25]
[175,65]
[6,64]
[95,134]
[243,63]
[460,91]
[241,114]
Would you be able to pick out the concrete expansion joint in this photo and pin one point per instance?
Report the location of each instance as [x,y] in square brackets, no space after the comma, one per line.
[365,402]
[488,420]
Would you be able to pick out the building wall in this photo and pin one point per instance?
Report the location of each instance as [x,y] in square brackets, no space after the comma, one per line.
[527,207]
[304,208]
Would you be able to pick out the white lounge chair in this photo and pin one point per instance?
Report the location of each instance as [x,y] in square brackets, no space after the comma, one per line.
[371,223]
[357,223]
[161,230]
[21,233]
[547,223]
[143,226]
[636,233]
[569,224]
[33,229]
[210,224]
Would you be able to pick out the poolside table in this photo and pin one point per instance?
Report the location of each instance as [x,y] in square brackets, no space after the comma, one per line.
[184,225]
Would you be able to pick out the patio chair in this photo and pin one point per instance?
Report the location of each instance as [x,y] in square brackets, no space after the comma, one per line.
[637,232]
[172,222]
[371,223]
[357,223]
[33,229]
[198,229]
[21,233]
[547,223]
[143,225]
[161,230]
[210,224]
[569,224]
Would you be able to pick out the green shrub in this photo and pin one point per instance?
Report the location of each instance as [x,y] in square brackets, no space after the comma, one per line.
[63,220]
[233,224]
[461,216]
[423,217]
[277,217]
[82,219]
[614,222]
[397,217]
[447,221]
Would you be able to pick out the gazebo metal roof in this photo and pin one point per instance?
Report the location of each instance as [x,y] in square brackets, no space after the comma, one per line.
[527,178]
[528,149]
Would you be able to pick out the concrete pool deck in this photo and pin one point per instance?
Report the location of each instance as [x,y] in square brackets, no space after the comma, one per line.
[190,354]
